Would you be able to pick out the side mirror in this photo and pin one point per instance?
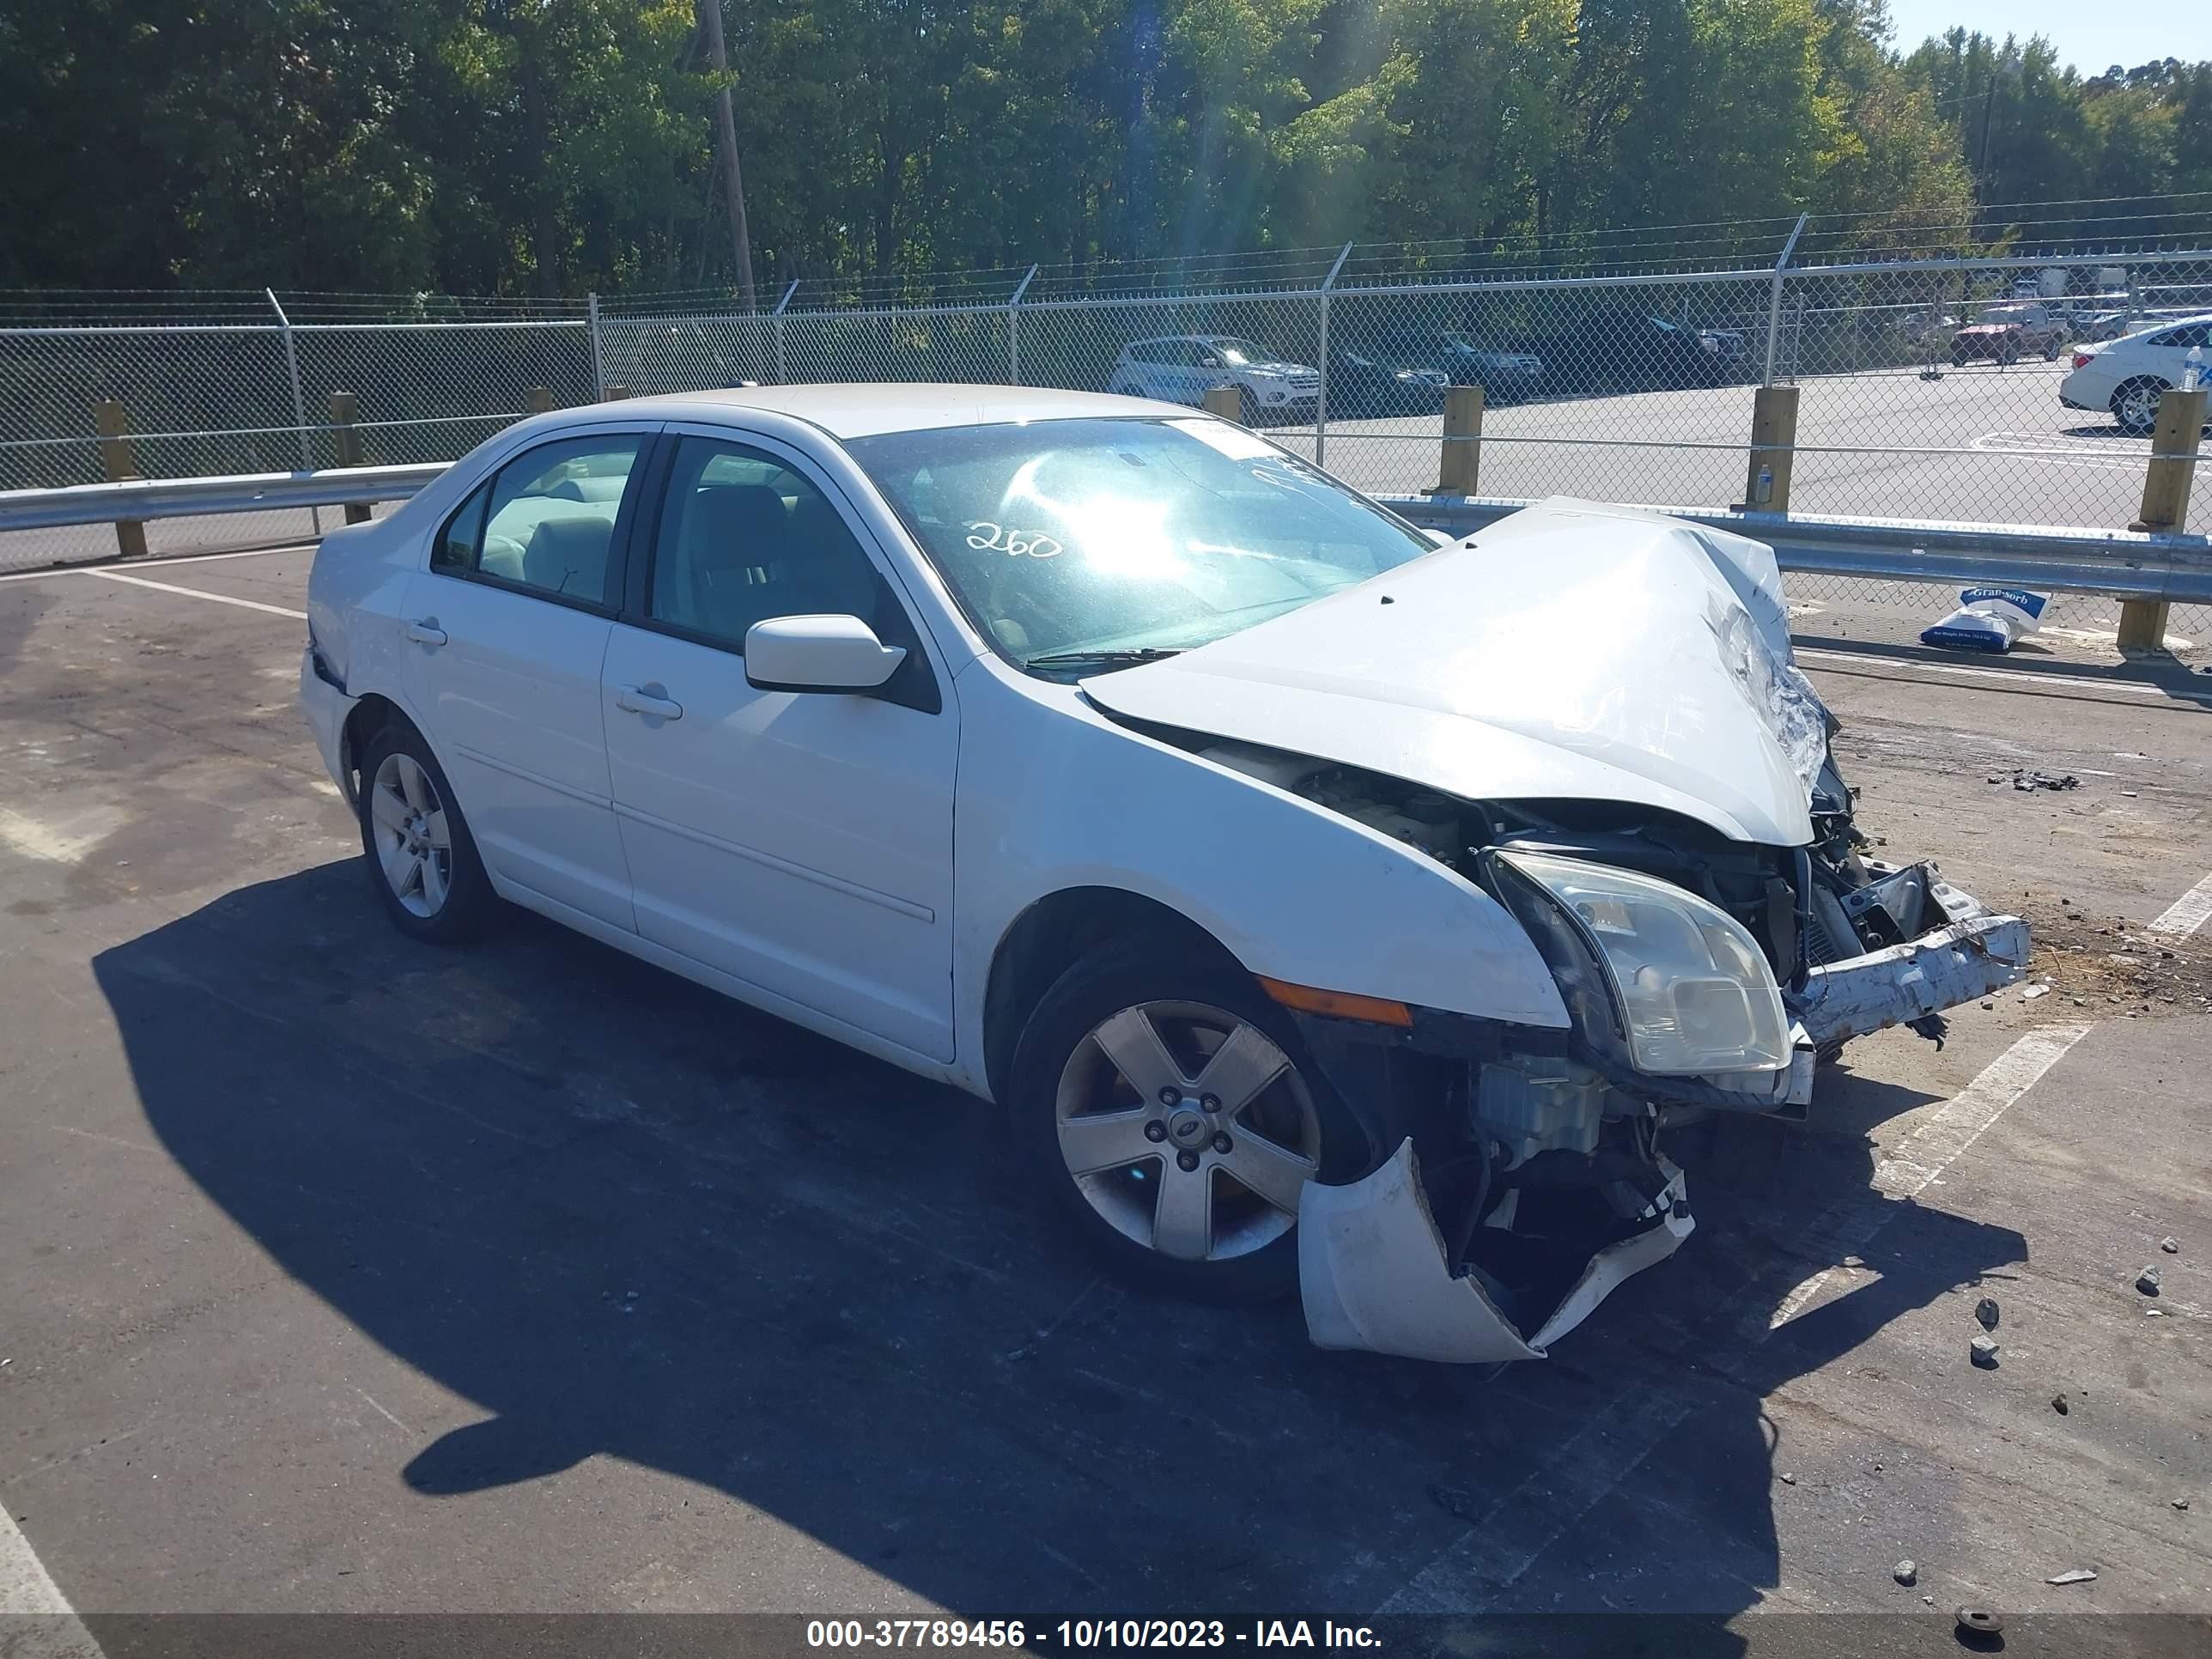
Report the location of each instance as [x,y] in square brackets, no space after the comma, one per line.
[818,654]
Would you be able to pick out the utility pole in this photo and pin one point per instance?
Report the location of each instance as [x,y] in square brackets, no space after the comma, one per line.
[725,134]
[1989,103]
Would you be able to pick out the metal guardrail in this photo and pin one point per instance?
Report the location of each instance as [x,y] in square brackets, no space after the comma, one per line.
[2121,565]
[139,499]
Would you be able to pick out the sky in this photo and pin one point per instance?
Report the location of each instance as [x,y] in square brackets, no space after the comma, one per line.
[2091,37]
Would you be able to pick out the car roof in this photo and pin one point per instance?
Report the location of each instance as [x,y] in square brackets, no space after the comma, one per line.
[861,410]
[2161,325]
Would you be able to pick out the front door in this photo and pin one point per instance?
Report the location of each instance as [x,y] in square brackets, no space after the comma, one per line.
[507,629]
[801,842]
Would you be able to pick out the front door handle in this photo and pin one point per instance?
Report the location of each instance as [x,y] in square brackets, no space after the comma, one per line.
[426,632]
[639,700]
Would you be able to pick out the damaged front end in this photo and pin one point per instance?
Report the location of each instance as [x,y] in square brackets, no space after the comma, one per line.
[1701,975]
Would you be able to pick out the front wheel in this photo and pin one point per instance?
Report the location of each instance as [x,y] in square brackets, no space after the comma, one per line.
[422,860]
[1168,1110]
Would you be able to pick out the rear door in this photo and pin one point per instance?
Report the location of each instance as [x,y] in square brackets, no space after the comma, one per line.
[800,841]
[508,627]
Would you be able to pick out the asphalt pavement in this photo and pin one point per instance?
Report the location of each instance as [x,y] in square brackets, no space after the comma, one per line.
[342,1275]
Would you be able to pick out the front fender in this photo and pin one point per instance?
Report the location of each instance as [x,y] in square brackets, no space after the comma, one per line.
[1053,795]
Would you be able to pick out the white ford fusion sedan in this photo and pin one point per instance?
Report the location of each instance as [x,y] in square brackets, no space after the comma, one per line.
[1327,907]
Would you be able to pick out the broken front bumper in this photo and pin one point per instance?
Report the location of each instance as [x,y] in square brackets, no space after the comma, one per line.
[1374,1269]
[1373,1272]
[1959,961]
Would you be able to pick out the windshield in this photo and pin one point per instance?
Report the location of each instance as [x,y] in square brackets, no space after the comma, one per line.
[1121,537]
[1242,353]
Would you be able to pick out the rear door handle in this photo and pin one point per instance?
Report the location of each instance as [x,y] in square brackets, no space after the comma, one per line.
[426,632]
[638,700]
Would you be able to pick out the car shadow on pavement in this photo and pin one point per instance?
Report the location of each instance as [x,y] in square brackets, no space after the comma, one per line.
[626,1218]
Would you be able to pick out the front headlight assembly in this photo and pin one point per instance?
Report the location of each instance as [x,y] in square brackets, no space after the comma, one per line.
[1652,974]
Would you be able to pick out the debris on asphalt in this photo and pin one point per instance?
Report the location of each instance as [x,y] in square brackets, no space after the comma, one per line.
[2181,1503]
[2023,777]
[2171,1246]
[2147,1281]
[1460,1505]
[1984,1354]
[1789,1479]
[2072,1576]
[1929,1599]
[1978,1621]
[2058,1404]
[1986,1311]
[2035,991]
[1905,1572]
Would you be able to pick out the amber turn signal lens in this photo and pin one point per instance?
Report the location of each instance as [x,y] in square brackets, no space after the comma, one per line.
[1338,1005]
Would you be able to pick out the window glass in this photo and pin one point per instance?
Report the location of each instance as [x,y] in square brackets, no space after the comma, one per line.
[743,538]
[457,548]
[546,519]
[1127,535]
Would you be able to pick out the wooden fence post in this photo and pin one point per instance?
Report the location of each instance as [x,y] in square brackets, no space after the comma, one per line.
[120,465]
[540,401]
[1773,448]
[1226,401]
[345,443]
[1460,470]
[2173,450]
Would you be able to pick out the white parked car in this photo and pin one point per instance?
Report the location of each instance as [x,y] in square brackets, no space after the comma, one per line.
[1180,368]
[1323,903]
[2126,377]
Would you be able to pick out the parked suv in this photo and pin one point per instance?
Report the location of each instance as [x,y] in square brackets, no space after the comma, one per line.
[2005,334]
[1178,369]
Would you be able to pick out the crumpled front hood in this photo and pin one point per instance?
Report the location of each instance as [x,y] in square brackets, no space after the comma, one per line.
[1571,651]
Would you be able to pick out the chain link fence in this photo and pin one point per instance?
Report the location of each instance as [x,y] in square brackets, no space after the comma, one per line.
[2015,390]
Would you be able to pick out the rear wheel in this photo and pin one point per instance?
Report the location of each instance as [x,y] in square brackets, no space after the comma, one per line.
[422,860]
[2134,404]
[1170,1113]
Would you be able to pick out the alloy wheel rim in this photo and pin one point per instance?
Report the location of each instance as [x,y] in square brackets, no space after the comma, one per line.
[2139,407]
[414,843]
[1188,1130]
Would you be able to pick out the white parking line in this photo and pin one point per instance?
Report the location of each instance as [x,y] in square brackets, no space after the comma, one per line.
[197,594]
[2014,676]
[49,1626]
[2186,913]
[155,564]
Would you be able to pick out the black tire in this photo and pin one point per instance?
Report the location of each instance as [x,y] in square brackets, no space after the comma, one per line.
[2050,352]
[1958,360]
[1098,988]
[2143,424]
[468,900]
[2010,355]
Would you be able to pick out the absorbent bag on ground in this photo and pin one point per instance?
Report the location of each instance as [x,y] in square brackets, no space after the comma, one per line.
[1988,619]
